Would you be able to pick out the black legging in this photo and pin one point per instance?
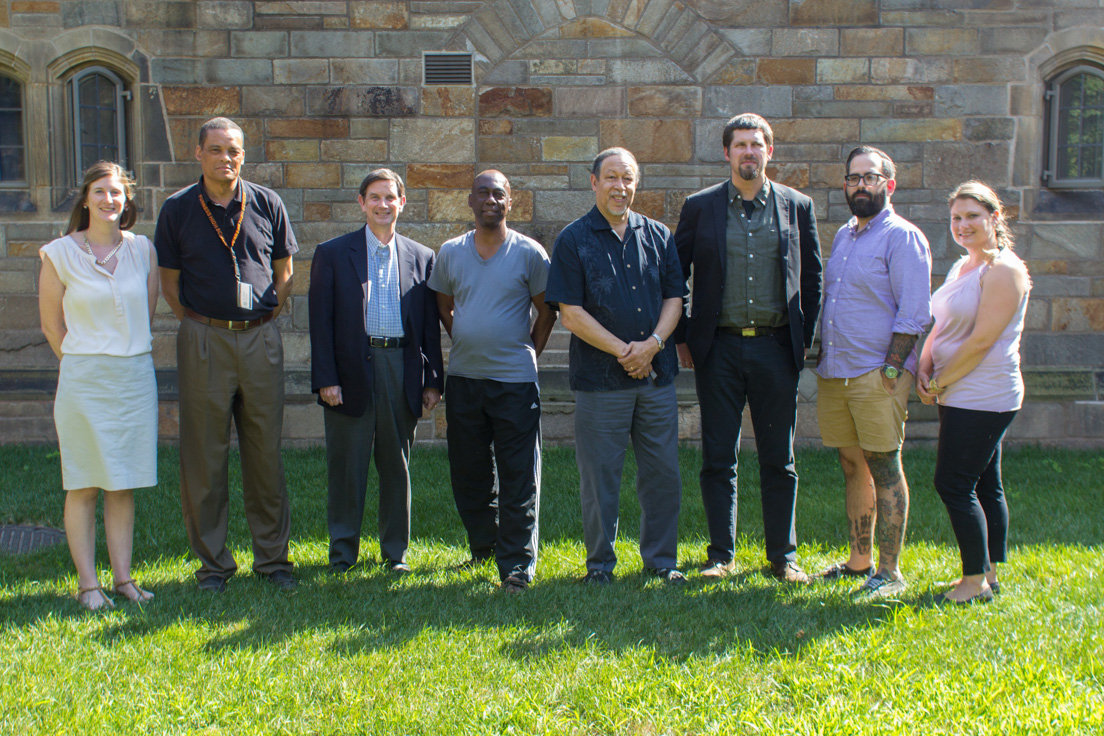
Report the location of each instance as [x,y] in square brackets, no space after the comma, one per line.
[968,479]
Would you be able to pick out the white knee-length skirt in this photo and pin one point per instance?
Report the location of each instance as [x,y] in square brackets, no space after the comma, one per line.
[106,418]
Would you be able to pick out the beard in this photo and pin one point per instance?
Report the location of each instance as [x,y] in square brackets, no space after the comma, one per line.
[751,173]
[867,206]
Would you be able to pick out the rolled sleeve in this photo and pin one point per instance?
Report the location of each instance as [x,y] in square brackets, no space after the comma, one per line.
[910,279]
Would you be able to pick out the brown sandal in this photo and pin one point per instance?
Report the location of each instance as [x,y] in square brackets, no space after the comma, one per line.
[143,595]
[82,598]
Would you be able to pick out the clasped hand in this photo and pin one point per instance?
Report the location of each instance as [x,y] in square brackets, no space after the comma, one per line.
[637,356]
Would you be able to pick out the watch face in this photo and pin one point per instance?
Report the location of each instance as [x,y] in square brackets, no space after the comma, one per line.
[890,371]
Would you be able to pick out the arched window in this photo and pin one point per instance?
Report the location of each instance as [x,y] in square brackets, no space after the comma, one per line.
[13,166]
[1075,120]
[99,118]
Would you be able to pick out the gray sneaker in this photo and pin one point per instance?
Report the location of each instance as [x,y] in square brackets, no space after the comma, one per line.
[877,587]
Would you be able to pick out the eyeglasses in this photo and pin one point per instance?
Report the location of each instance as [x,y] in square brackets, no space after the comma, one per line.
[869,179]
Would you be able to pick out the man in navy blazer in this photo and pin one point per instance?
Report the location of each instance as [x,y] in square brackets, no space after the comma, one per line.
[753,248]
[376,366]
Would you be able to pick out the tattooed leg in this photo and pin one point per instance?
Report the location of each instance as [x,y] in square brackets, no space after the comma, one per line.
[859,491]
[892,493]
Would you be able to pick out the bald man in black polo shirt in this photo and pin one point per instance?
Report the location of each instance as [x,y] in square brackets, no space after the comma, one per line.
[224,247]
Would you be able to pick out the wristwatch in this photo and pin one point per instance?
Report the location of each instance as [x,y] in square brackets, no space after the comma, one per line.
[659,340]
[890,372]
[933,387]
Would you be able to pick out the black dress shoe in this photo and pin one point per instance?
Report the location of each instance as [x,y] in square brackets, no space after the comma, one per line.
[340,568]
[282,579]
[212,584]
[399,568]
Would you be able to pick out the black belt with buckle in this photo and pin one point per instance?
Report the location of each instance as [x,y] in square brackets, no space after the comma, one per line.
[751,331]
[229,324]
[388,342]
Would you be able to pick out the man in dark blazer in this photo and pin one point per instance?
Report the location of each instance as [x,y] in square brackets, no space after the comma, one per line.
[375,365]
[753,248]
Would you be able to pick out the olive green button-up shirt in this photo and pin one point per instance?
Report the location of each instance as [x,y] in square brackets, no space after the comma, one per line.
[754,289]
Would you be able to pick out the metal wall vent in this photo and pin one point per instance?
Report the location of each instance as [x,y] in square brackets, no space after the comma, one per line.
[446,68]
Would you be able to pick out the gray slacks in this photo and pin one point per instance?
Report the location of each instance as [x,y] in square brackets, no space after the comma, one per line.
[226,374]
[386,432]
[605,422]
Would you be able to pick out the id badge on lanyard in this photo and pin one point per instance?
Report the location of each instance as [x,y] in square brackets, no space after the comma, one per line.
[244,289]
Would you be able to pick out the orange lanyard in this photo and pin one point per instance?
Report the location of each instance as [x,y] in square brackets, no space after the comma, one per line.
[218,231]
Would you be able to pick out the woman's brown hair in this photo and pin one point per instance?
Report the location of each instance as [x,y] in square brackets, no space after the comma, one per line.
[78,220]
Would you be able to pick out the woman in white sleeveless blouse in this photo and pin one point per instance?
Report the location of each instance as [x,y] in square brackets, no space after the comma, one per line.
[97,293]
[970,365]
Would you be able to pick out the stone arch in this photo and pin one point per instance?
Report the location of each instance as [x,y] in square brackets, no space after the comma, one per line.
[680,33]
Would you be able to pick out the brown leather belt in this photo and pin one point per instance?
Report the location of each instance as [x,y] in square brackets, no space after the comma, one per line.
[751,331]
[388,342]
[229,324]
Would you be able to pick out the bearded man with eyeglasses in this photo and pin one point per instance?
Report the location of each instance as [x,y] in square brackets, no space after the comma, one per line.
[877,302]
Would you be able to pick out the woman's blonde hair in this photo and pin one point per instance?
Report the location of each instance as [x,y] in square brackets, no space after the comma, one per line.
[984,195]
[78,220]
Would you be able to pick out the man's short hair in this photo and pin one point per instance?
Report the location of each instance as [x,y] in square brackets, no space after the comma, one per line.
[596,168]
[747,121]
[889,171]
[218,124]
[382,175]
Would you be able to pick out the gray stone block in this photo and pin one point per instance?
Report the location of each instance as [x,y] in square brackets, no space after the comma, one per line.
[1063,349]
[775,101]
[90,13]
[356,100]
[750,42]
[621,48]
[224,14]
[1060,240]
[301,71]
[842,109]
[970,99]
[949,164]
[804,42]
[439,140]
[509,73]
[239,71]
[406,43]
[538,126]
[562,207]
[1086,419]
[1044,285]
[333,44]
[176,71]
[364,71]
[646,71]
[989,129]
[259,44]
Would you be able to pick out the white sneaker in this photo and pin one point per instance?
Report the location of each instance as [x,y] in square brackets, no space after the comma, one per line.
[877,587]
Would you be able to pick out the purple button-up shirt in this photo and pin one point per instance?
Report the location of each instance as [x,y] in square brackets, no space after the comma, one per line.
[877,282]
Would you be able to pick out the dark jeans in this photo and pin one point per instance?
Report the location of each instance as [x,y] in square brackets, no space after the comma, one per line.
[759,372]
[494,449]
[968,479]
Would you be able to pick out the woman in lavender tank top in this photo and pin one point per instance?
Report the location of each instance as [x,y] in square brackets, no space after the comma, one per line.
[970,365]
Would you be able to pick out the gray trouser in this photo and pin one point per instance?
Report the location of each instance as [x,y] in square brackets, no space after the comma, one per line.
[385,431]
[605,421]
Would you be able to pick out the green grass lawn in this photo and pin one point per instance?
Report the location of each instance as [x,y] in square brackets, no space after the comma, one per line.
[441,652]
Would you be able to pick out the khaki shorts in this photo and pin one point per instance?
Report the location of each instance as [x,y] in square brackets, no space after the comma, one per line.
[858,412]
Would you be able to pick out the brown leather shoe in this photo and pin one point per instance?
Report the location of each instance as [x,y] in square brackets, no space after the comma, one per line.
[717,568]
[788,572]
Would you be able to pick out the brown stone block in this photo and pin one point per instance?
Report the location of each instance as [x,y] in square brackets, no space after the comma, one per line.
[843,71]
[313,176]
[949,164]
[315,211]
[439,176]
[20,311]
[826,176]
[1048,268]
[24,249]
[359,151]
[184,133]
[449,205]
[815,131]
[34,6]
[584,102]
[735,71]
[833,12]
[347,100]
[792,175]
[522,208]
[988,70]
[910,176]
[593,28]
[787,71]
[496,127]
[272,100]
[548,169]
[291,150]
[375,14]
[568,148]
[650,204]
[665,102]
[4,21]
[1077,315]
[300,285]
[883,92]
[650,140]
[209,101]
[448,101]
[323,128]
[912,109]
[941,41]
[514,148]
[918,131]
[516,102]
[872,41]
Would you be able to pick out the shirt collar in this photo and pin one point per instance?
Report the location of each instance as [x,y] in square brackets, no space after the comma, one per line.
[760,197]
[878,219]
[598,221]
[376,242]
[237,193]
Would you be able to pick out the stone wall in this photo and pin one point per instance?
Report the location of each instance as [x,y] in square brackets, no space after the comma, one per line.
[952,89]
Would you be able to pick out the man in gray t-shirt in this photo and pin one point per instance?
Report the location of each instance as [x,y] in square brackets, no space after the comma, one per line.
[486,281]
